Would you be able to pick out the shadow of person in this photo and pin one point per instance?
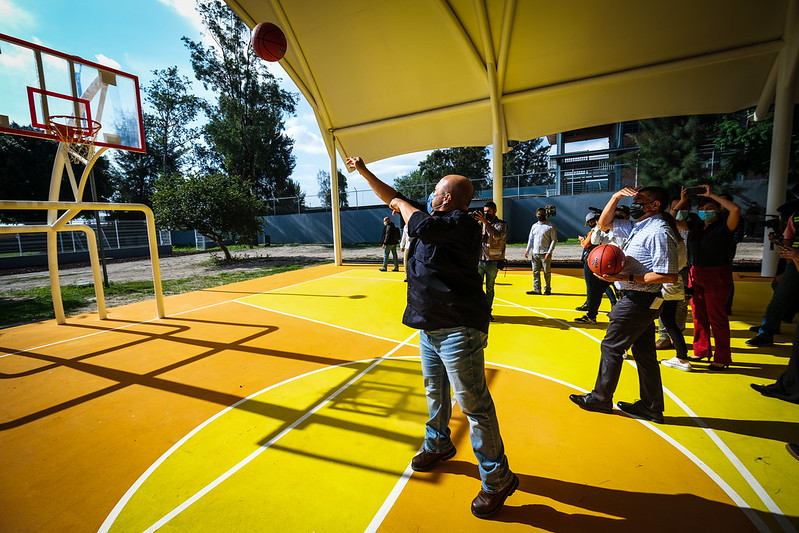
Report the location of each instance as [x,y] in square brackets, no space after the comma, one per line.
[531,320]
[776,430]
[611,510]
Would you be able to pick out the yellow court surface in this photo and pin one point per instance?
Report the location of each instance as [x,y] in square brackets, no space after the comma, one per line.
[295,402]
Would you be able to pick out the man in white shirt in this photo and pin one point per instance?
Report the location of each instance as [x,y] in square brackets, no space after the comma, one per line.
[541,242]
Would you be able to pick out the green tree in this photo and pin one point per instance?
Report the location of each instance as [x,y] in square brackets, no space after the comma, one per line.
[26,164]
[528,159]
[218,206]
[168,138]
[246,124]
[169,94]
[670,151]
[323,179]
[746,146]
[471,162]
[133,175]
[413,185]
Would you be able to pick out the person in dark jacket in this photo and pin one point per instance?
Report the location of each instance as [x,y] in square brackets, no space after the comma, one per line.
[447,304]
[390,240]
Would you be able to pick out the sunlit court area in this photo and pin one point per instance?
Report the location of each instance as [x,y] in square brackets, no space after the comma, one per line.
[295,402]
[197,333]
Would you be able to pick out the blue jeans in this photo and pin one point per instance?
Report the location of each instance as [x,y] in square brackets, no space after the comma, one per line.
[489,270]
[454,357]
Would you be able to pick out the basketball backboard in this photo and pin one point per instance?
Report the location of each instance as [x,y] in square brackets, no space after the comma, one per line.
[37,84]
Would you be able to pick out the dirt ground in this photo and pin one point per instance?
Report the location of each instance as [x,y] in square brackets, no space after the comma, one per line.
[180,266]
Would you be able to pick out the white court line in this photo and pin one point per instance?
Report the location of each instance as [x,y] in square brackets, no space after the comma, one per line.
[244,462]
[80,337]
[319,322]
[725,450]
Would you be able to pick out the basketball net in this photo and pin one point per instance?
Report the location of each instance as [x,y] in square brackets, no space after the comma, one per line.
[77,134]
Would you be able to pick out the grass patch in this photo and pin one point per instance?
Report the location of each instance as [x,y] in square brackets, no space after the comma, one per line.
[33,305]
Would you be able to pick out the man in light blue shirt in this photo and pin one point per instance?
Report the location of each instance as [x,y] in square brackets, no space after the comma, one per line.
[541,242]
[651,261]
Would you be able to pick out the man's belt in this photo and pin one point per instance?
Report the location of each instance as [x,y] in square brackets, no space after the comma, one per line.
[641,297]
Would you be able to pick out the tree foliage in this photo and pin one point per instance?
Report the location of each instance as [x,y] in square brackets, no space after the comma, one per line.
[175,108]
[670,152]
[246,123]
[168,137]
[413,186]
[528,159]
[218,206]
[26,164]
[746,146]
[323,179]
[471,162]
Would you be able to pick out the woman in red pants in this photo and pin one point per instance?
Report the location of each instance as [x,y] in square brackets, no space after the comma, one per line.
[710,275]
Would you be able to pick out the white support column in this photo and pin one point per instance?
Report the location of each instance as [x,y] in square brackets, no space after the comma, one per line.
[334,200]
[780,152]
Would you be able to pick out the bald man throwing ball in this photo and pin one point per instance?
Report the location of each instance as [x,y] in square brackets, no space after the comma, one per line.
[447,304]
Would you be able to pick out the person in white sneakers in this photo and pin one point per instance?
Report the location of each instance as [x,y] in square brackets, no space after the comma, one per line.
[674,296]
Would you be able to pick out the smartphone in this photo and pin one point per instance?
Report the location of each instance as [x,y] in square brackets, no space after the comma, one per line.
[693,191]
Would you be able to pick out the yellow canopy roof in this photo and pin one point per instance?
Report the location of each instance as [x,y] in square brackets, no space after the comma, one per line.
[388,77]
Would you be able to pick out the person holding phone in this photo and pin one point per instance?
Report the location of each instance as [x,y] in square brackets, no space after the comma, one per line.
[710,276]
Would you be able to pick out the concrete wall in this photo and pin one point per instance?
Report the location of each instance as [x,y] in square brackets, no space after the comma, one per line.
[366,226]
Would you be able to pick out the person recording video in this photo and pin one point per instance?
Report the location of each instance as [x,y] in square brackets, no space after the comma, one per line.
[492,252]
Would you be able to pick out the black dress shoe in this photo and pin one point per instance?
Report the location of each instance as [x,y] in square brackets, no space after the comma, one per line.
[638,410]
[583,307]
[765,390]
[793,449]
[425,460]
[487,504]
[590,403]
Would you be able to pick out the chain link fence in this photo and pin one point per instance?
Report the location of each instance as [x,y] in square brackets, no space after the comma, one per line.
[115,235]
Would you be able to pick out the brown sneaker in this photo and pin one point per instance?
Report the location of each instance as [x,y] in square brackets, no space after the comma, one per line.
[663,344]
[425,460]
[487,504]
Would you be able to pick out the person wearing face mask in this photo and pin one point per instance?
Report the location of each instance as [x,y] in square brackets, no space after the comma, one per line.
[446,302]
[594,286]
[390,239]
[651,261]
[541,242]
[493,248]
[672,300]
[710,277]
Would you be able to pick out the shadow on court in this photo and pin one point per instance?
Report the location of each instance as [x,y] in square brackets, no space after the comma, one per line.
[626,512]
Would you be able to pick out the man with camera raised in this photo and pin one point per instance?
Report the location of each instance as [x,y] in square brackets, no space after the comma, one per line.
[492,254]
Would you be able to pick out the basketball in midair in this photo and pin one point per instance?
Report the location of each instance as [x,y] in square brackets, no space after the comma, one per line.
[268,41]
[606,259]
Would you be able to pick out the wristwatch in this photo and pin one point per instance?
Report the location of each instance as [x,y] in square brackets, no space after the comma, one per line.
[632,278]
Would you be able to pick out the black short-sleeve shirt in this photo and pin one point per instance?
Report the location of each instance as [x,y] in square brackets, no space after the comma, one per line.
[444,287]
[709,246]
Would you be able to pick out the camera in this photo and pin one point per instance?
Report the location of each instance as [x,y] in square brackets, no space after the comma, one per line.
[693,191]
[476,214]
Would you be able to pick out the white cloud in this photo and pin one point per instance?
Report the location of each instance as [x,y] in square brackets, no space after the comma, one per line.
[304,131]
[187,9]
[107,61]
[14,16]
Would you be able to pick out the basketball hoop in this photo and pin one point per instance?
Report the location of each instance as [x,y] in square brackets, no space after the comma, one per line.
[78,133]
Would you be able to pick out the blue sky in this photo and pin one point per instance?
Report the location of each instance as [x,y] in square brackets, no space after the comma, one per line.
[139,36]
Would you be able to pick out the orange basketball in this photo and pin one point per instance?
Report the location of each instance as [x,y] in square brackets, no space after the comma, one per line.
[268,41]
[606,259]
